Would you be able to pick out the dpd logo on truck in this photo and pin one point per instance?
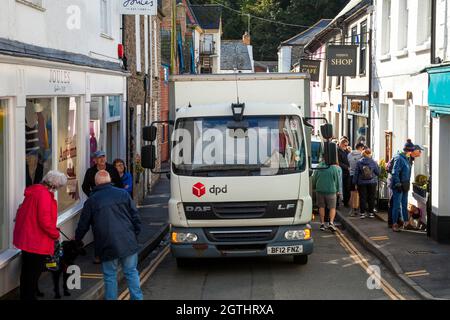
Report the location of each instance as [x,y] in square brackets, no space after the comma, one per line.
[199,190]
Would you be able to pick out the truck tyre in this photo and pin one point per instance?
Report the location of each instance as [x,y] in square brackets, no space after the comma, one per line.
[183,262]
[302,260]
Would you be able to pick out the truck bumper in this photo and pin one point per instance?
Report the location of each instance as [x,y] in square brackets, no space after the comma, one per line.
[205,247]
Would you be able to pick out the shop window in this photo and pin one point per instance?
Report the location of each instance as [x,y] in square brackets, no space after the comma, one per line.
[68,109]
[38,139]
[3,182]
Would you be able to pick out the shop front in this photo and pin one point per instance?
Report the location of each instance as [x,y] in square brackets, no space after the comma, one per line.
[46,111]
[439,102]
[357,120]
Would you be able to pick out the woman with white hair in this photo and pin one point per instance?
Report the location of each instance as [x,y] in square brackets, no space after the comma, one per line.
[35,230]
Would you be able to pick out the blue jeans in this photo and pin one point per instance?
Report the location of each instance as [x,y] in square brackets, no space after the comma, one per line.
[399,202]
[129,266]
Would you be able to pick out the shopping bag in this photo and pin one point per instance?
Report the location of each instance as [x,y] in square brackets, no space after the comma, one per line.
[354,199]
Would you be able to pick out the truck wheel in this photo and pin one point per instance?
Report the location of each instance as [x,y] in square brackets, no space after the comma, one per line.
[183,262]
[302,260]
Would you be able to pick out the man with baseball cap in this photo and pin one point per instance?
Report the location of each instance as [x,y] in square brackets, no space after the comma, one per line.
[100,164]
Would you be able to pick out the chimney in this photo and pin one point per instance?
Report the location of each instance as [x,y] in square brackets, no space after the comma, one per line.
[246,39]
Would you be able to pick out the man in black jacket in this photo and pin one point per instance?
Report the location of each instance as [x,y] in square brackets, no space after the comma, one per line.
[115,223]
[345,166]
[100,164]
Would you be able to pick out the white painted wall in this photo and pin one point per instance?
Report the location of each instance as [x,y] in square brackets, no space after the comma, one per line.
[49,27]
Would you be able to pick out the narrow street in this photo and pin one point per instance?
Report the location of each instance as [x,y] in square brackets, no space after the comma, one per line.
[333,272]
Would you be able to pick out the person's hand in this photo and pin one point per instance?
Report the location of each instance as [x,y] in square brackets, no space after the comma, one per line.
[398,187]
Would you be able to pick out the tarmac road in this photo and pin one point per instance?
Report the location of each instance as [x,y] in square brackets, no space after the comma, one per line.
[338,269]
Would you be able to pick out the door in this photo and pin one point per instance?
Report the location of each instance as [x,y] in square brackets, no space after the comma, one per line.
[400,125]
[113,146]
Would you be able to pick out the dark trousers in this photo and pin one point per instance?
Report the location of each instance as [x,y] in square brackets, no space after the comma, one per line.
[346,186]
[367,193]
[32,267]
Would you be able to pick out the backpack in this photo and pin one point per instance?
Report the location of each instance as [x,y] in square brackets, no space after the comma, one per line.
[390,165]
[367,173]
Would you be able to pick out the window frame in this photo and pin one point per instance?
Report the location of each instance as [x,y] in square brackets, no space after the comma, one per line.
[363,48]
[105,17]
[31,3]
[7,213]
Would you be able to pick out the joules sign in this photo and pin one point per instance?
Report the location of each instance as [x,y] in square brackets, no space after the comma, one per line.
[135,7]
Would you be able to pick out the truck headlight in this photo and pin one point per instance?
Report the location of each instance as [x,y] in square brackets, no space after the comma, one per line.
[181,237]
[298,234]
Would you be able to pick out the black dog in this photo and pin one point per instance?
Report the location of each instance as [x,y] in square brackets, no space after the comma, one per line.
[71,250]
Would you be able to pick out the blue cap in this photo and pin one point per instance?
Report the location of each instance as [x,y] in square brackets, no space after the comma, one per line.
[418,147]
[98,154]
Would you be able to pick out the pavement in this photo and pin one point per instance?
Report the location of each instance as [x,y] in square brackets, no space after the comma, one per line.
[154,217]
[420,262]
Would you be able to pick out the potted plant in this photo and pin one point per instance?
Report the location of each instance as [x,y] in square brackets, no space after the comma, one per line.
[420,185]
[383,192]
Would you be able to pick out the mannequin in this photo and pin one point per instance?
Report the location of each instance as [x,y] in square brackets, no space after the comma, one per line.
[31,129]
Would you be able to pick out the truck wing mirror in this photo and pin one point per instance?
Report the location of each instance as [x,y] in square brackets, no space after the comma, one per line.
[148,158]
[326,130]
[149,133]
[330,153]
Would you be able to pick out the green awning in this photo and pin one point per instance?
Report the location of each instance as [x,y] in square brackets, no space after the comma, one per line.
[439,90]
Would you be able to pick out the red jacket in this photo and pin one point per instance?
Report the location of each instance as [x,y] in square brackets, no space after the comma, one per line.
[35,229]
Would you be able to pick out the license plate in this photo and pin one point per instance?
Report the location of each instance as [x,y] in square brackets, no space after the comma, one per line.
[284,250]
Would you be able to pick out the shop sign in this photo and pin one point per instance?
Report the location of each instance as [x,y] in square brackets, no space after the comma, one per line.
[60,80]
[341,60]
[138,7]
[312,67]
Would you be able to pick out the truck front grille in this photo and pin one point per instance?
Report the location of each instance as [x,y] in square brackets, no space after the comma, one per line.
[241,235]
[240,210]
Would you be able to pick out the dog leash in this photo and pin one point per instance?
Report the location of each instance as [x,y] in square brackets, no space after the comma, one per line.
[63,234]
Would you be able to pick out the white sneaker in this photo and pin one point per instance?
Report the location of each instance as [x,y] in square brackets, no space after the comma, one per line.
[332,227]
[362,215]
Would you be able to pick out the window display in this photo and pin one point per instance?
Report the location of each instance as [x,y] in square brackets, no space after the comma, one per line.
[3,153]
[38,144]
[68,147]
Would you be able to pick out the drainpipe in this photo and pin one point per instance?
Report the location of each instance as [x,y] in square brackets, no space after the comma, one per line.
[433,32]
[369,41]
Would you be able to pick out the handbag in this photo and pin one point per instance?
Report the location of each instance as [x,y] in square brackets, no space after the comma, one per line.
[52,261]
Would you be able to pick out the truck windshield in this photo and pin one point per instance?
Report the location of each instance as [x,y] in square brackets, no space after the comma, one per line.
[257,146]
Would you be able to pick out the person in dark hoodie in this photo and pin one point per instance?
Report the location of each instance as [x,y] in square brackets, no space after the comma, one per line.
[116,224]
[366,180]
[345,166]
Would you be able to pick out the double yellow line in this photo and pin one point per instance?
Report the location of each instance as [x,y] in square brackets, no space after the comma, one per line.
[359,259]
[148,271]
[419,273]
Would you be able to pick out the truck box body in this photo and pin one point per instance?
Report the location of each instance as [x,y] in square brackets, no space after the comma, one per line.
[228,207]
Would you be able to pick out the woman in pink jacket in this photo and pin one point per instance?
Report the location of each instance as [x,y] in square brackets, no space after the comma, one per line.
[35,230]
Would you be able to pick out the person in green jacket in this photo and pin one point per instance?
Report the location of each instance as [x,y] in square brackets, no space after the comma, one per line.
[326,184]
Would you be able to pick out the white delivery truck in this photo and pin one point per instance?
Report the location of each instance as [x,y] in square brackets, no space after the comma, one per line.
[240,165]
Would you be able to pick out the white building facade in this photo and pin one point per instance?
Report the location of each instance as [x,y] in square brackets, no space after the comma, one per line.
[402,51]
[62,95]
[439,101]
